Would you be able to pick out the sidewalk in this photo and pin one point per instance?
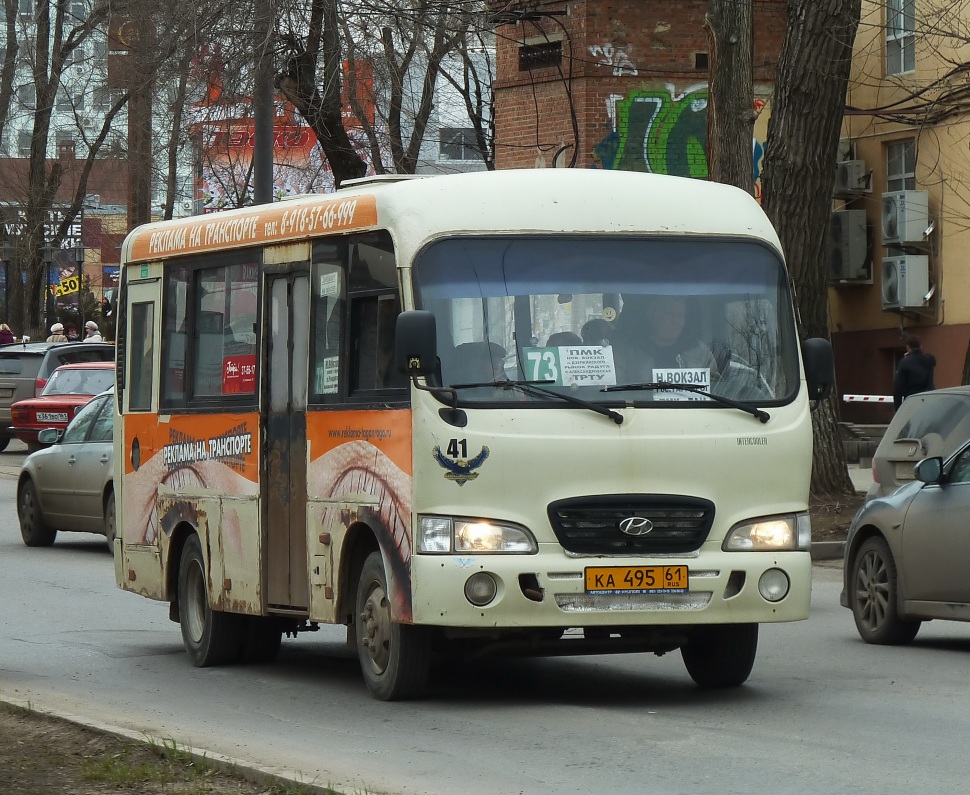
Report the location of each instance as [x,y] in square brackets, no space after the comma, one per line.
[831,551]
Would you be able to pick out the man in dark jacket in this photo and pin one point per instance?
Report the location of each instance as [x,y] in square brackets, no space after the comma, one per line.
[915,371]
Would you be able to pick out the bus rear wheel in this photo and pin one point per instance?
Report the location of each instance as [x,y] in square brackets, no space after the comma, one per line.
[394,657]
[211,637]
[721,655]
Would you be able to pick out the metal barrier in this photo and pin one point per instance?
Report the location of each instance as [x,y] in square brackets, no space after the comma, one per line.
[867,398]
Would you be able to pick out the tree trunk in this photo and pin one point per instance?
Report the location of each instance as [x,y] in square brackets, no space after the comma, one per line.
[731,116]
[798,177]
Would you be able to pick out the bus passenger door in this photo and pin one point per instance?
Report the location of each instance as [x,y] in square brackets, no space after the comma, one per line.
[284,495]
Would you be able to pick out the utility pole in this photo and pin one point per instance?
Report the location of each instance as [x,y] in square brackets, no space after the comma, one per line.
[263,109]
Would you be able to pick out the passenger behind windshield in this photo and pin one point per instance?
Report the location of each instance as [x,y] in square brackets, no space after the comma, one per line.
[653,343]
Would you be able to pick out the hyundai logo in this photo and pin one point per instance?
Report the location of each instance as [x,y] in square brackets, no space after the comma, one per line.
[636,526]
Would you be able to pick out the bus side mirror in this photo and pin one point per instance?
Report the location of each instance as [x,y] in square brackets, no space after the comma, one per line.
[819,367]
[415,343]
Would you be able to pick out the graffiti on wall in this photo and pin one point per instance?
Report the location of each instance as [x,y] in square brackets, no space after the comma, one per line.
[618,60]
[661,131]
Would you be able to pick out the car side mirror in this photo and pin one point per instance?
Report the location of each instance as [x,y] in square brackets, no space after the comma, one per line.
[819,367]
[49,436]
[415,343]
[929,470]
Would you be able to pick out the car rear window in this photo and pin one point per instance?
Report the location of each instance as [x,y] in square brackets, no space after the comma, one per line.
[941,416]
[19,365]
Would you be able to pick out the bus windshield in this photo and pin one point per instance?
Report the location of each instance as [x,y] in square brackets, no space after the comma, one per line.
[580,314]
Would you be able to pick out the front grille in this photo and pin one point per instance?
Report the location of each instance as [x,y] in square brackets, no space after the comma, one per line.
[591,525]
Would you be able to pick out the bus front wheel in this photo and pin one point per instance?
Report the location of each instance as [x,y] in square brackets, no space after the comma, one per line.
[211,637]
[394,657]
[721,655]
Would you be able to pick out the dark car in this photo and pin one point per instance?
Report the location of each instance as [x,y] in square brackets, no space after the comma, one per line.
[70,485]
[69,388]
[907,548]
[25,368]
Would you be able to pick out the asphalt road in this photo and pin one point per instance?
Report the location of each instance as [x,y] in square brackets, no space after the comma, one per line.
[822,712]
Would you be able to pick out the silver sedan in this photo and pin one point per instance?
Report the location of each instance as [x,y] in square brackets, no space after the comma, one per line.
[69,485]
[906,553]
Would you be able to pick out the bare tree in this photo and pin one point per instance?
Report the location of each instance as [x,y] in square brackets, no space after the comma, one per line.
[798,177]
[731,113]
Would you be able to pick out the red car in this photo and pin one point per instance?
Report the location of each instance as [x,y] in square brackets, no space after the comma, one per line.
[70,387]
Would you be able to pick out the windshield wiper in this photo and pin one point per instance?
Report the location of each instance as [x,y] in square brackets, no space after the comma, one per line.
[533,388]
[754,411]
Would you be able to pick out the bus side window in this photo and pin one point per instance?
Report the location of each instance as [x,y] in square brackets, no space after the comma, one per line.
[141,351]
[327,323]
[374,318]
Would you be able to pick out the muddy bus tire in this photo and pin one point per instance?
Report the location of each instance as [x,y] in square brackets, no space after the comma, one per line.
[721,655]
[211,637]
[394,657]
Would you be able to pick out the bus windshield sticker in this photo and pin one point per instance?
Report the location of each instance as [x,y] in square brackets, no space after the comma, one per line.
[460,470]
[571,365]
[695,376]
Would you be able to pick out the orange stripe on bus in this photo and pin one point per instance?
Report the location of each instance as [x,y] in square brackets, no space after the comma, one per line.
[262,225]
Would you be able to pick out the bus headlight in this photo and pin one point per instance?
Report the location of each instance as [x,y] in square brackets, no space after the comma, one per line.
[444,534]
[788,531]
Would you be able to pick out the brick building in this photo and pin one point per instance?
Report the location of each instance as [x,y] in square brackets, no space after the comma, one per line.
[619,84]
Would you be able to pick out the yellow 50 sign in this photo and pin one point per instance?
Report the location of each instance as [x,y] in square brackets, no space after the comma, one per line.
[67,286]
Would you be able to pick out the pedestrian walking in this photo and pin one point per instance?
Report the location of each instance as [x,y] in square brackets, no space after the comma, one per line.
[6,335]
[91,333]
[57,333]
[914,373]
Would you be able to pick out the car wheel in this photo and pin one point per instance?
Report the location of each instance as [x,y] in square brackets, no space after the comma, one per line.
[211,637]
[873,596]
[394,657]
[4,441]
[721,655]
[110,522]
[33,528]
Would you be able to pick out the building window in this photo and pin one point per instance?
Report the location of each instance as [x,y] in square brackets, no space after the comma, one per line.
[540,55]
[900,36]
[63,102]
[27,95]
[79,11]
[901,165]
[27,9]
[63,136]
[23,144]
[4,144]
[458,144]
[101,97]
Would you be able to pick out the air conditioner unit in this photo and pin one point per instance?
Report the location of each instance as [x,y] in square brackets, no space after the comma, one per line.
[905,281]
[905,217]
[851,178]
[188,206]
[848,245]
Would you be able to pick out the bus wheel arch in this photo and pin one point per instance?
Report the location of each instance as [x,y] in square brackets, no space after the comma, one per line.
[176,543]
[359,542]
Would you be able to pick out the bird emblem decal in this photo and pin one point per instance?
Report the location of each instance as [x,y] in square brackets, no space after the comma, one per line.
[460,470]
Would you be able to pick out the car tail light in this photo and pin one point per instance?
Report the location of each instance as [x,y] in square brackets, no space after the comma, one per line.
[19,415]
[39,384]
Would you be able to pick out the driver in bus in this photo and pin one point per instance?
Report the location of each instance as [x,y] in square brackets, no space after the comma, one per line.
[652,334]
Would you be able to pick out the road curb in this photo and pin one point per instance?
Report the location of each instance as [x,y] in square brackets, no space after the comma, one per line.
[258,775]
[828,550]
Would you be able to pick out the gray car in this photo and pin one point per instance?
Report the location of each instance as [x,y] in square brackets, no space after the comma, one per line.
[927,424]
[25,368]
[69,485]
[906,553]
